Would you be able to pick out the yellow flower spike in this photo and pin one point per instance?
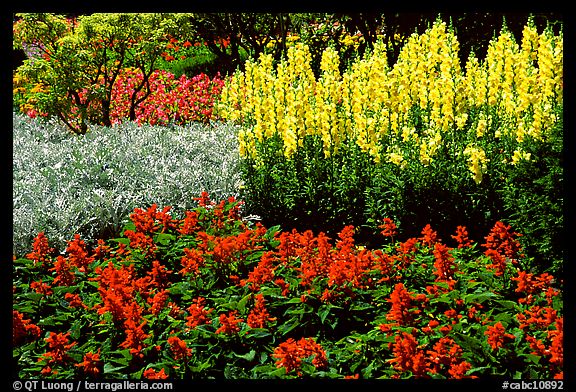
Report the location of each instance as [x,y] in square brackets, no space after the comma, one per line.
[520,155]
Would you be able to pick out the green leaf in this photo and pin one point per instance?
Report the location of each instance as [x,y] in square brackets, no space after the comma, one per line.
[478,297]
[242,303]
[164,238]
[323,312]
[108,368]
[249,356]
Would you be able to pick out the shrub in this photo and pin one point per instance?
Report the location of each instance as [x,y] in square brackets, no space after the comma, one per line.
[63,184]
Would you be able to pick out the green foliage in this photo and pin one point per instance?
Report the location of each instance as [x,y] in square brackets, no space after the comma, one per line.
[80,60]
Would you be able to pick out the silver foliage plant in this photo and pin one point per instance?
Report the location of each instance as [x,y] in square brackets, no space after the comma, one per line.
[65,184]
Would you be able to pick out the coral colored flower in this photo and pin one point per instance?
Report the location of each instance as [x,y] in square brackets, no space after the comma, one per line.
[58,345]
[259,316]
[23,329]
[389,228]
[443,262]
[429,236]
[461,237]
[497,335]
[40,249]
[77,253]
[291,353]
[502,240]
[408,356]
[229,323]
[199,314]
[179,348]
[41,288]
[152,374]
[91,364]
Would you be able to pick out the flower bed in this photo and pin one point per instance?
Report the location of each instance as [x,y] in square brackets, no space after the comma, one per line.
[214,296]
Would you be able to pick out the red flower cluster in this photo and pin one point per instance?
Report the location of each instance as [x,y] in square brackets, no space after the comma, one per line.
[179,348]
[229,323]
[40,249]
[445,356]
[291,353]
[23,329]
[259,316]
[199,314]
[497,335]
[91,364]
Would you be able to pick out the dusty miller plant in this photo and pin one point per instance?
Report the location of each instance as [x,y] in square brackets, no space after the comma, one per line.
[65,184]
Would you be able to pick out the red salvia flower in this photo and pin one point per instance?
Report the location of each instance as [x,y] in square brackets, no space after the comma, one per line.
[159,275]
[91,364]
[499,263]
[58,345]
[284,286]
[179,348]
[502,239]
[262,273]
[199,314]
[77,253]
[389,228]
[191,261]
[259,316]
[74,300]
[443,262]
[23,329]
[531,284]
[142,241]
[537,317]
[229,323]
[190,223]
[429,236]
[557,344]
[135,337]
[102,251]
[41,288]
[497,335]
[40,249]
[152,374]
[402,310]
[291,353]
[158,302]
[287,355]
[64,276]
[408,356]
[406,251]
[461,237]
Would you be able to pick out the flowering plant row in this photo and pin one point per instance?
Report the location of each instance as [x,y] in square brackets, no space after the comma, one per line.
[211,295]
[170,100]
[425,139]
